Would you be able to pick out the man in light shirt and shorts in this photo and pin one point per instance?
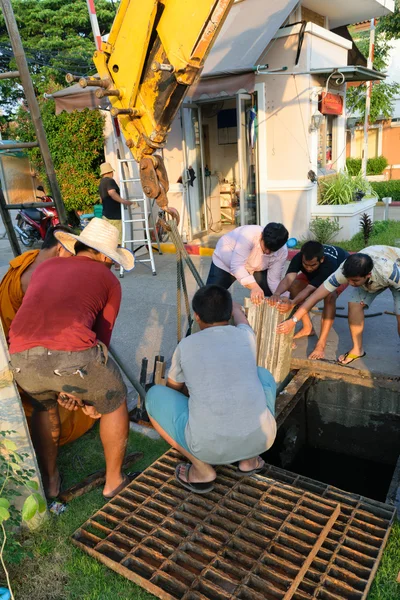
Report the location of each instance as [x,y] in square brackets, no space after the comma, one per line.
[370,272]
[218,407]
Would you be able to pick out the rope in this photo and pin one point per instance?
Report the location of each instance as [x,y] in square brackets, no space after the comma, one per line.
[182,257]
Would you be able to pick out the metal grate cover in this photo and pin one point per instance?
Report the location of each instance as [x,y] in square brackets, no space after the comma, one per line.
[276,536]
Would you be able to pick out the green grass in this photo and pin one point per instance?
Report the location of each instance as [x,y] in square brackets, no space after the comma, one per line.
[385,586]
[54,569]
[385,233]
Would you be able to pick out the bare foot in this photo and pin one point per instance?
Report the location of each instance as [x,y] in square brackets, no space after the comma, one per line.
[53,486]
[294,345]
[304,333]
[318,353]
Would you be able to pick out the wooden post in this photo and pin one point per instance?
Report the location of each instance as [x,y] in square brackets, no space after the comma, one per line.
[12,236]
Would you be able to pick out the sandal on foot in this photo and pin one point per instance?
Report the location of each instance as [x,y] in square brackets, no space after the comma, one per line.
[256,470]
[353,357]
[126,481]
[197,488]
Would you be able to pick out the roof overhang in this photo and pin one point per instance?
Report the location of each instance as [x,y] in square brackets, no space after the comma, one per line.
[350,74]
[343,12]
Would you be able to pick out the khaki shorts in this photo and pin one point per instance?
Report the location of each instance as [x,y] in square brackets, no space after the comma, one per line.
[90,375]
[118,224]
[359,294]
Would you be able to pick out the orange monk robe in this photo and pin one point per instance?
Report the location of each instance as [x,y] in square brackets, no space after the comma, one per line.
[73,424]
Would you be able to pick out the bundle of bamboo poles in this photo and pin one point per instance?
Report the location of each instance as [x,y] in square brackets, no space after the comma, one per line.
[274,350]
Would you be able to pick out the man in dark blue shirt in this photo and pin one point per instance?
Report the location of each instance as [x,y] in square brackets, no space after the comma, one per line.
[306,272]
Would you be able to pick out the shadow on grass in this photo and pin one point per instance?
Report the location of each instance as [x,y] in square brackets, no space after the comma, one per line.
[53,568]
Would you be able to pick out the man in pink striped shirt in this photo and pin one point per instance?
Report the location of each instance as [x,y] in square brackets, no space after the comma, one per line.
[254,256]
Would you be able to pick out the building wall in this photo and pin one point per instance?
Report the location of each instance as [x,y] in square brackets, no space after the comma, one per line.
[291,100]
[391,149]
[383,139]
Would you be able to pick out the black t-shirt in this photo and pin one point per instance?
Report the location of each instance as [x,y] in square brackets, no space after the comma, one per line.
[111,208]
[334,256]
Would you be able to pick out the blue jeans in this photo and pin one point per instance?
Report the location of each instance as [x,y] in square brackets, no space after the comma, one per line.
[170,409]
[218,276]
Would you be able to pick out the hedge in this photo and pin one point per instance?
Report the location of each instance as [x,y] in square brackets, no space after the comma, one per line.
[387,189]
[375,166]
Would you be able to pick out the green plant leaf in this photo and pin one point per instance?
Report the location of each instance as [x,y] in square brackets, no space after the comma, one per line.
[33,485]
[4,514]
[4,503]
[40,502]
[29,508]
[9,445]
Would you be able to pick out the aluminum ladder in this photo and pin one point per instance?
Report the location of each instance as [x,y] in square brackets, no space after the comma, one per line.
[142,222]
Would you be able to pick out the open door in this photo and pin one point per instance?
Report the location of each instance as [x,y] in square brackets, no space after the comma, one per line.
[194,169]
[247,153]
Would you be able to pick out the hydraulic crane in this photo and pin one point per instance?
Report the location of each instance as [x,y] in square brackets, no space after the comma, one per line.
[155,51]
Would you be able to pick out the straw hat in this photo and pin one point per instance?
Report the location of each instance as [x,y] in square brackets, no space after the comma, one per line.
[106,168]
[101,236]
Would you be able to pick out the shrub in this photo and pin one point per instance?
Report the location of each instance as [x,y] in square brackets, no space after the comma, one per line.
[353,166]
[387,189]
[366,227]
[343,188]
[324,230]
[375,166]
[76,146]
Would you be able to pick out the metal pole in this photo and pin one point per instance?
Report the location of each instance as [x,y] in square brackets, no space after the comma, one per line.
[12,236]
[94,23]
[368,98]
[97,40]
[34,110]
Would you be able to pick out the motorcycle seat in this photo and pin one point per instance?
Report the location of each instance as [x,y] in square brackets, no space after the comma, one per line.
[34,214]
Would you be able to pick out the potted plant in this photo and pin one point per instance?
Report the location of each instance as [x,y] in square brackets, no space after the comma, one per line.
[346,198]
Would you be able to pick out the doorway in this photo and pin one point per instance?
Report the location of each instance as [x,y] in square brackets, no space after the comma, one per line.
[220,151]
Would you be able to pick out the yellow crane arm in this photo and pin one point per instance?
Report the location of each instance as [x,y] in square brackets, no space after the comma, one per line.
[155,51]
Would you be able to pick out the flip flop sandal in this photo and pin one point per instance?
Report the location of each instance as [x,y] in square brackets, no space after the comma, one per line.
[353,357]
[126,481]
[254,471]
[197,488]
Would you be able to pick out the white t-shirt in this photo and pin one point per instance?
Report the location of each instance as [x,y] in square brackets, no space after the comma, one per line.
[228,416]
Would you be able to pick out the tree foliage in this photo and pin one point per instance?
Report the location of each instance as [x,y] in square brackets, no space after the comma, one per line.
[383,94]
[390,24]
[57,38]
[76,146]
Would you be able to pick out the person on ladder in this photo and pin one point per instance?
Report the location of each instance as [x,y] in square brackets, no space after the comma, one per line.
[110,198]
[253,255]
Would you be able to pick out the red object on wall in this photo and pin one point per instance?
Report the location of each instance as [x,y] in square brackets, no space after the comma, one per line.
[330,104]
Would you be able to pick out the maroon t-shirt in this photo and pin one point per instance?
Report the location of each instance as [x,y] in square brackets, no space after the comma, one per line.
[71,304]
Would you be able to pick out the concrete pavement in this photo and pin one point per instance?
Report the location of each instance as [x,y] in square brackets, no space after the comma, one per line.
[146,325]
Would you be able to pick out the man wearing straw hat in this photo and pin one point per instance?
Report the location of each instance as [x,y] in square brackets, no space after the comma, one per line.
[62,348]
[110,198]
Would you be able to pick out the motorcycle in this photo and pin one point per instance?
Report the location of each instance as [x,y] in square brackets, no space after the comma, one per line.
[33,223]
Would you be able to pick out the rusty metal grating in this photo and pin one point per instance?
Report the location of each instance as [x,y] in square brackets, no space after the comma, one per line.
[276,536]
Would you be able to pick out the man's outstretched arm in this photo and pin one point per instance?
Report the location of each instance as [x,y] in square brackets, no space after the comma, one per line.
[319,294]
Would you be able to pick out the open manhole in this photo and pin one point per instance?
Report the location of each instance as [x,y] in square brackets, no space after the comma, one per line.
[343,430]
[276,536]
